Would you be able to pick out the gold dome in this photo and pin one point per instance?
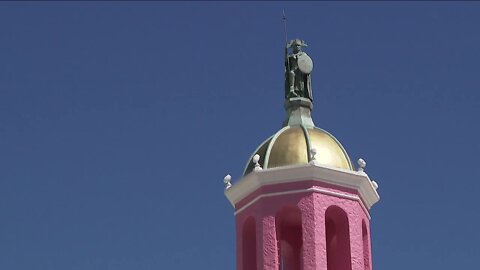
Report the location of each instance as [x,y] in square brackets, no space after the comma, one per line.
[291,145]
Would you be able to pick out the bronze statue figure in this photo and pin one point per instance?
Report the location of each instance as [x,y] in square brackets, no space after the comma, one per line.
[298,68]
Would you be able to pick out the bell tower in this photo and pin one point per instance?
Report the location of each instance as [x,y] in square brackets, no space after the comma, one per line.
[301,204]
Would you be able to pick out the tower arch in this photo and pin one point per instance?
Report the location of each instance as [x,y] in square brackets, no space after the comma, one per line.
[337,235]
[288,222]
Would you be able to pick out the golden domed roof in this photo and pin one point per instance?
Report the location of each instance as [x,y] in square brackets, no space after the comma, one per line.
[291,145]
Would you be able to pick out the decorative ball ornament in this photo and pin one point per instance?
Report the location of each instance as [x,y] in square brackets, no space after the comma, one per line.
[313,160]
[362,164]
[255,160]
[227,180]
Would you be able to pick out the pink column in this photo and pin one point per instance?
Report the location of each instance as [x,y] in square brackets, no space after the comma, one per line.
[367,247]
[355,215]
[320,237]
[267,251]
[311,229]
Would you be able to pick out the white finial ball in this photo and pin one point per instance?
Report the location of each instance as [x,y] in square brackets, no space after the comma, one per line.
[313,151]
[256,158]
[227,178]
[375,185]
[362,163]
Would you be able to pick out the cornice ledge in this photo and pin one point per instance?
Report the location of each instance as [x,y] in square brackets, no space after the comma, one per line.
[348,179]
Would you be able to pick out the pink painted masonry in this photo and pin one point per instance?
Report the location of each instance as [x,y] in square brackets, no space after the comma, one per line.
[307,207]
[300,228]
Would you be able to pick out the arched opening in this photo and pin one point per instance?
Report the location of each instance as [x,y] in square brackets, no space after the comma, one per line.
[289,235]
[338,239]
[366,247]
[249,245]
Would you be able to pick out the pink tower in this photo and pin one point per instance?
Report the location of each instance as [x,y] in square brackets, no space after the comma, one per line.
[300,204]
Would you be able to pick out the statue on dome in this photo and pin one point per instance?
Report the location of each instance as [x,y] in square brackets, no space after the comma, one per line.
[298,68]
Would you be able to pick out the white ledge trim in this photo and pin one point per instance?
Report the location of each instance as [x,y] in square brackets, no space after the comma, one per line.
[358,181]
[313,189]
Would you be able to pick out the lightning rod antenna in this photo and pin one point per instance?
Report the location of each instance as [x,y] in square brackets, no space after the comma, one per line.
[287,60]
[285,27]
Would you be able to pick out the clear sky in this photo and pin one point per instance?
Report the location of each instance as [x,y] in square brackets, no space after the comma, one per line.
[119,120]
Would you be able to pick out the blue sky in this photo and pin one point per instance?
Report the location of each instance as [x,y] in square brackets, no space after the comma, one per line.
[119,120]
